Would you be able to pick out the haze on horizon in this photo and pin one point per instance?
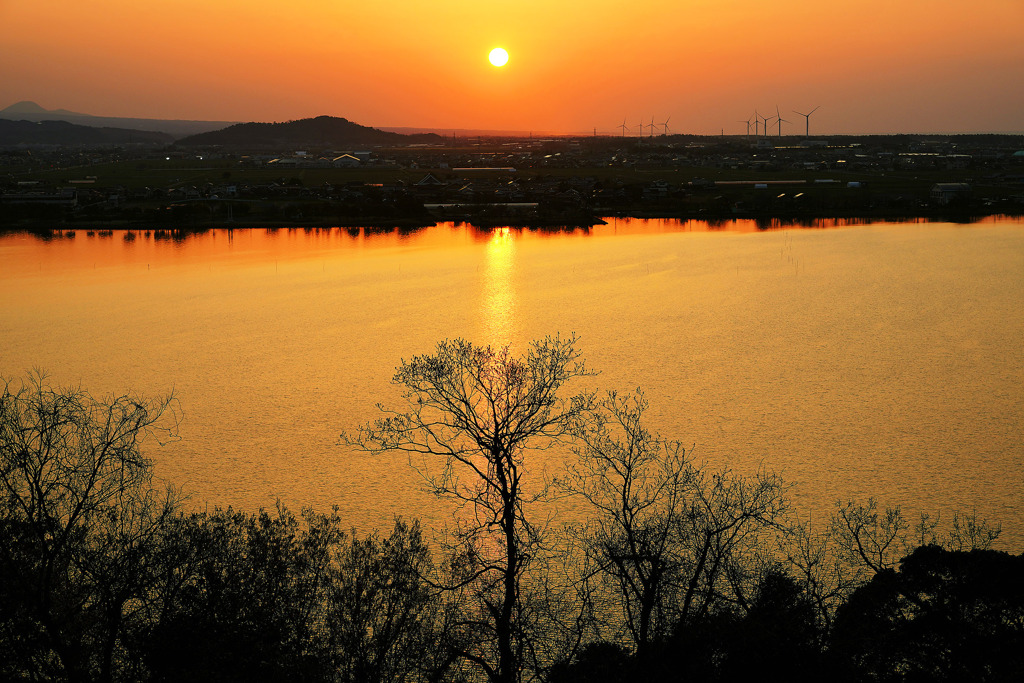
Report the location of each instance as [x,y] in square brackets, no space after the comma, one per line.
[873,66]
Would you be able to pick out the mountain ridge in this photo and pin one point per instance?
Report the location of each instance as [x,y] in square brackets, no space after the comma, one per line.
[27,110]
[184,130]
[18,133]
[30,107]
[318,131]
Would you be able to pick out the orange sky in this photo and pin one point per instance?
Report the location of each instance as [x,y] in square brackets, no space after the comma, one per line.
[874,66]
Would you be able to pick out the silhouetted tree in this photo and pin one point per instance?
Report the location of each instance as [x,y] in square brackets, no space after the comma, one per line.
[670,542]
[472,413]
[600,662]
[381,617]
[875,540]
[776,638]
[242,597]
[772,638]
[942,616]
[822,568]
[635,485]
[80,520]
[861,540]
[274,597]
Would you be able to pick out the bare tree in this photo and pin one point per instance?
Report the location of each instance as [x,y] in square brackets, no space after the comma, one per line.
[80,517]
[472,413]
[728,530]
[878,539]
[675,539]
[821,570]
[968,532]
[635,484]
[869,537]
[861,540]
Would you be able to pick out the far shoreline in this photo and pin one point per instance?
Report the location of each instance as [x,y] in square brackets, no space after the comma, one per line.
[375,224]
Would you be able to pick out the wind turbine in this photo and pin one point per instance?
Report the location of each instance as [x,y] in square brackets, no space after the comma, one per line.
[807,116]
[651,127]
[664,124]
[766,119]
[748,128]
[623,126]
[781,120]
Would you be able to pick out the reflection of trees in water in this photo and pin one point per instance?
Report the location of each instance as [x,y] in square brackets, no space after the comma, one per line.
[178,236]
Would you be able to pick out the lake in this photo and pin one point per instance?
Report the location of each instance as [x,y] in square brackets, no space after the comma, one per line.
[876,359]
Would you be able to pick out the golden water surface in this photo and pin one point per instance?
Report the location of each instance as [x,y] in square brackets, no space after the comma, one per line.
[860,360]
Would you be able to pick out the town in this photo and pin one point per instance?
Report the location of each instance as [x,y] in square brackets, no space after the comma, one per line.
[530,182]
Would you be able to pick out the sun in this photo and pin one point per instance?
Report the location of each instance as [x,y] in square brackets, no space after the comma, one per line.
[498,56]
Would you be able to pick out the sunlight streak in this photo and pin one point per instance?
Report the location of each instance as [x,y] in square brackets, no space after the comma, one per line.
[498,301]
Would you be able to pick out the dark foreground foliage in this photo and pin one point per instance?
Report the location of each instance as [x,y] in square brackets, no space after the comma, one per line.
[944,616]
[692,575]
[269,597]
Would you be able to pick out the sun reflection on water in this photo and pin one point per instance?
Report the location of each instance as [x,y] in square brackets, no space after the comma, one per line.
[498,295]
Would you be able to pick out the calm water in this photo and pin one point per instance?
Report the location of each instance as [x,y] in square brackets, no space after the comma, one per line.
[882,359]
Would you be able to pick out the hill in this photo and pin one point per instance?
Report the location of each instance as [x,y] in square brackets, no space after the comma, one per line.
[63,133]
[31,108]
[322,131]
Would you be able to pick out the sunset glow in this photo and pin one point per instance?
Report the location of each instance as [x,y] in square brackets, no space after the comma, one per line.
[872,66]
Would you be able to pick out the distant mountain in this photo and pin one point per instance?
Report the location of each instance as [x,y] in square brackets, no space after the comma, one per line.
[27,107]
[30,111]
[322,131]
[36,133]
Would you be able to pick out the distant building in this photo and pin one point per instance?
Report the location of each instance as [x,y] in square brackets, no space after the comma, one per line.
[946,193]
[346,161]
[62,196]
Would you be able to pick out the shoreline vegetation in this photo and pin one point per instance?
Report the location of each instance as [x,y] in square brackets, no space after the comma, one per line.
[481,218]
[675,571]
